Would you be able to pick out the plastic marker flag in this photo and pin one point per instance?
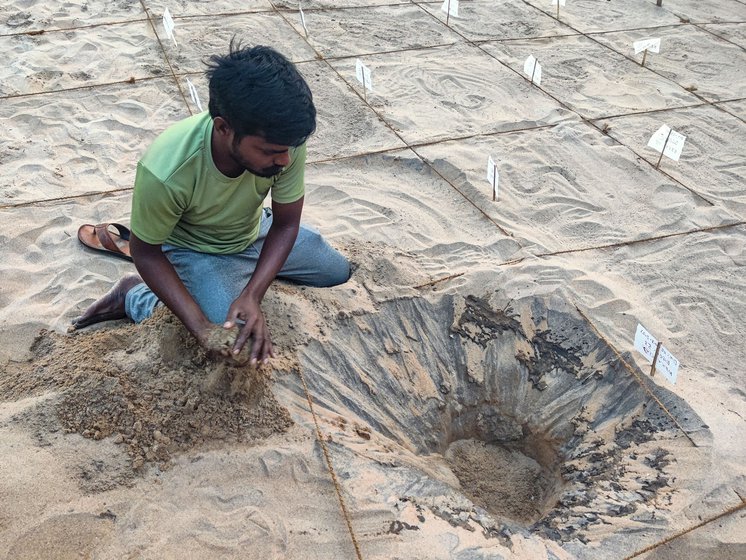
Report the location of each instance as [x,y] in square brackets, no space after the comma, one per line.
[195,96]
[652,45]
[493,176]
[303,20]
[558,3]
[667,142]
[667,365]
[645,343]
[450,7]
[363,75]
[532,69]
[169,25]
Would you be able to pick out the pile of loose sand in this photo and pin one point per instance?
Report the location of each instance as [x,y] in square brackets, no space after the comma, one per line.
[151,388]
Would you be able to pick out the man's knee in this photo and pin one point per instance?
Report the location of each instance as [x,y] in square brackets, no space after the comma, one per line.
[338,273]
[317,263]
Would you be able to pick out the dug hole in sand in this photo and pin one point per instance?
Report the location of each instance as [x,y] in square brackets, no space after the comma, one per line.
[502,420]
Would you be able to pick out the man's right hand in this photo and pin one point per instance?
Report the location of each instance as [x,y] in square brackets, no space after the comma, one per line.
[160,276]
[254,332]
[219,342]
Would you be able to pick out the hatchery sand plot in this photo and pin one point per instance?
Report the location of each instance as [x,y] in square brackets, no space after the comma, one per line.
[694,59]
[557,194]
[185,8]
[733,32]
[591,79]
[373,30]
[588,16]
[735,108]
[22,16]
[381,197]
[334,4]
[712,163]
[200,37]
[484,20]
[77,54]
[706,12]
[435,94]
[71,143]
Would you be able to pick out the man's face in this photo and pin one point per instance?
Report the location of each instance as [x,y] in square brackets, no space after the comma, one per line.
[259,157]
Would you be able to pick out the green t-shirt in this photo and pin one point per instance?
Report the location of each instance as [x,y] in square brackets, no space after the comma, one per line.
[181,198]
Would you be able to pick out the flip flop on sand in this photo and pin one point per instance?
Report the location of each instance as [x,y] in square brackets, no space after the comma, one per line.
[110,238]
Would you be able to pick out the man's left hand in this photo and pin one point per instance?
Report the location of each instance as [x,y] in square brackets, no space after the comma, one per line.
[255,328]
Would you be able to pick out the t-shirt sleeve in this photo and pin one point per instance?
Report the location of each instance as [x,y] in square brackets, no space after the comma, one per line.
[290,185]
[156,209]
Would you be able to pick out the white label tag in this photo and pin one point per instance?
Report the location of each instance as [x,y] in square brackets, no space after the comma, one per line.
[645,343]
[303,20]
[490,170]
[658,139]
[169,25]
[528,66]
[450,7]
[493,176]
[675,145]
[652,45]
[667,365]
[561,2]
[668,141]
[363,75]
[532,69]
[193,93]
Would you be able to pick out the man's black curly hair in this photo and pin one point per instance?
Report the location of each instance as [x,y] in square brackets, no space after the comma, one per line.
[259,92]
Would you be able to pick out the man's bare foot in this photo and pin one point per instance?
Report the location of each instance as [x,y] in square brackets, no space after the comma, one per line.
[110,306]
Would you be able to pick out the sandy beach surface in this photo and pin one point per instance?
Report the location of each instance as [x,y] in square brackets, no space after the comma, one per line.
[473,392]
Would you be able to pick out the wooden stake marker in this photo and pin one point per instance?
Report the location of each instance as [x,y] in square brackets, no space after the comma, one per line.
[558,3]
[655,358]
[645,45]
[656,354]
[668,142]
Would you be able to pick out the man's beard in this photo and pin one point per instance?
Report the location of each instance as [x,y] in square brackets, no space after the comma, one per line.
[265,172]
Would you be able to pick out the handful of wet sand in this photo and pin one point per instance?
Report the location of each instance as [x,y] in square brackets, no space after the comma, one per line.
[220,342]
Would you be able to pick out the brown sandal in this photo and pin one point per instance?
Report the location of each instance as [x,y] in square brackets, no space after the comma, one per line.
[110,238]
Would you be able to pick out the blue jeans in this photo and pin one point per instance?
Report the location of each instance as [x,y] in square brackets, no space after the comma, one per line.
[215,281]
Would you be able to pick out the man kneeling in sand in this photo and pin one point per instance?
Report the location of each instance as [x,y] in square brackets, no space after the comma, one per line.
[201,240]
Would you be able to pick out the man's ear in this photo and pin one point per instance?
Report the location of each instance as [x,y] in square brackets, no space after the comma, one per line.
[221,126]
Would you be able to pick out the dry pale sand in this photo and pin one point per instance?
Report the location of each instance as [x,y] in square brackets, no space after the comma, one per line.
[475,391]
